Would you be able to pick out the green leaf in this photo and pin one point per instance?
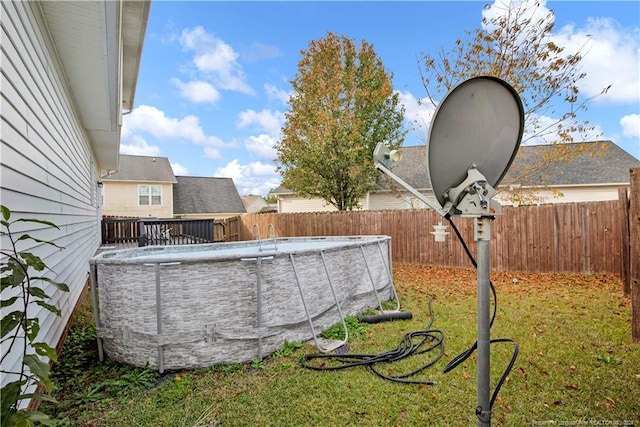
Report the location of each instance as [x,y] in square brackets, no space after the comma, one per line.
[8,418]
[32,327]
[39,396]
[38,368]
[52,308]
[17,275]
[6,282]
[61,286]
[48,242]
[39,221]
[33,261]
[40,418]
[9,394]
[44,349]
[8,302]
[6,213]
[38,292]
[10,322]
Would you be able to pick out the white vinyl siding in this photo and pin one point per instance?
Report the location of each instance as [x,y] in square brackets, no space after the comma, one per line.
[47,168]
[289,203]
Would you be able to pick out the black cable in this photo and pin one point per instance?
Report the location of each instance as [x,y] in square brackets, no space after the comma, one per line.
[408,347]
[411,344]
[465,354]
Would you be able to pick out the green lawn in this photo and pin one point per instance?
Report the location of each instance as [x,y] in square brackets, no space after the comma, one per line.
[577,366]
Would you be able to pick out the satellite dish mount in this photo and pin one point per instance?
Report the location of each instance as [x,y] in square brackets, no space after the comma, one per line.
[474,136]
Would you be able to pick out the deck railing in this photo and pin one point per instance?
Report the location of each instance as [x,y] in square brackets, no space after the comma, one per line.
[156,231]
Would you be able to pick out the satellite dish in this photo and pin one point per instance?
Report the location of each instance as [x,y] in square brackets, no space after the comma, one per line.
[479,122]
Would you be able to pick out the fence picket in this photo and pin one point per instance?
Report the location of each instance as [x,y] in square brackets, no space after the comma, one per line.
[571,237]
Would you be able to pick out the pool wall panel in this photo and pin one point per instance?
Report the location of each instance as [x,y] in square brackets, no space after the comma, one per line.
[231,309]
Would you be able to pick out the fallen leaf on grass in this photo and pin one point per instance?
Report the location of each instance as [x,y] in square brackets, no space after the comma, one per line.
[467,376]
[571,387]
[609,403]
[522,372]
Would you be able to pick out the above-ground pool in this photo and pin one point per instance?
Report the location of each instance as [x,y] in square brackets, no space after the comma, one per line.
[177,307]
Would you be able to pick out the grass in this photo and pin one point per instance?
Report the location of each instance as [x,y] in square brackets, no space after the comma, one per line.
[576,365]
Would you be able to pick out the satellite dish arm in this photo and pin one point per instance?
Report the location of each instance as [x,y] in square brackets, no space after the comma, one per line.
[410,189]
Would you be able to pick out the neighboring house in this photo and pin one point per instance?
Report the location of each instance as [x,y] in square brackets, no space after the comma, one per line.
[257,204]
[142,187]
[69,69]
[597,174]
[206,197]
[145,186]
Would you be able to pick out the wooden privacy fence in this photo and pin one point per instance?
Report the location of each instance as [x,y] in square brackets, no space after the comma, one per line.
[572,237]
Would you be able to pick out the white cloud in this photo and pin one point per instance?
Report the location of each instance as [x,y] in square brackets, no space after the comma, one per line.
[259,51]
[418,113]
[137,146]
[631,125]
[534,9]
[277,94]
[253,178]
[212,153]
[610,52]
[545,131]
[262,145]
[149,119]
[197,91]
[179,170]
[266,120]
[610,57]
[216,59]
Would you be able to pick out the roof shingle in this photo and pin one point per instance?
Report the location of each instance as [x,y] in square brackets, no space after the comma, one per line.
[143,169]
[204,195]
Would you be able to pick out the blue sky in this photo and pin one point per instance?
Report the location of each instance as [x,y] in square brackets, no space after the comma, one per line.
[215,75]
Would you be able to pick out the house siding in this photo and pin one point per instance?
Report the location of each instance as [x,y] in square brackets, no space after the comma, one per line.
[46,164]
[582,193]
[121,199]
[290,203]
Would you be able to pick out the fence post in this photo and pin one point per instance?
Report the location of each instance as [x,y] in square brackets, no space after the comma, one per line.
[623,199]
[142,235]
[634,253]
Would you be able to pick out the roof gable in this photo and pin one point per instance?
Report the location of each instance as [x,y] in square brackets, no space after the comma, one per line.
[203,195]
[143,169]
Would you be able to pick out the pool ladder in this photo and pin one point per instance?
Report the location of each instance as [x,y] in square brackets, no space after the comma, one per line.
[325,345]
[256,236]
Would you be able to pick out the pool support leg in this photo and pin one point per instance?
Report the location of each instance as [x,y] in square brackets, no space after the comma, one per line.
[159,320]
[93,275]
[259,297]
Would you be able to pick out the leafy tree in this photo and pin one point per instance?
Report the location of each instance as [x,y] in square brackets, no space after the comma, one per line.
[343,104]
[516,45]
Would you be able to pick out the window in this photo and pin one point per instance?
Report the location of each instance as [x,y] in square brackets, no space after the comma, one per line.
[150,195]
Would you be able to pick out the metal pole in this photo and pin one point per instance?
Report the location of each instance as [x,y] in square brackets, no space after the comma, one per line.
[259,297]
[482,234]
[159,319]
[93,274]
